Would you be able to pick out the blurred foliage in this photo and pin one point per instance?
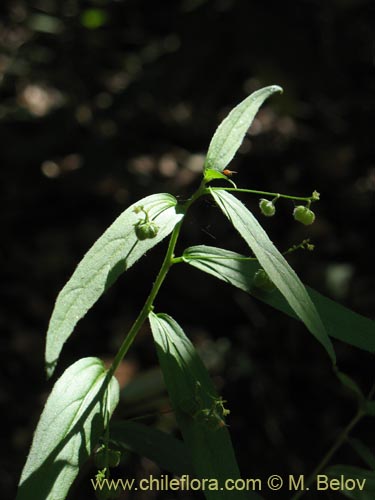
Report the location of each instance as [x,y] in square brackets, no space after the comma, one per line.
[104,101]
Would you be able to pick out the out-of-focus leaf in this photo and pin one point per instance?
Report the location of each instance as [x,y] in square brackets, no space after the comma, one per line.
[341,323]
[194,399]
[165,450]
[112,254]
[360,483]
[45,23]
[363,451]
[69,428]
[94,18]
[145,387]
[275,265]
[350,384]
[230,133]
[370,408]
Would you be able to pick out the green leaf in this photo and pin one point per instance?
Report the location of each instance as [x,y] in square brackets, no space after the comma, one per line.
[165,450]
[112,254]
[230,133]
[193,397]
[210,175]
[362,479]
[350,384]
[275,265]
[73,419]
[364,452]
[236,269]
[369,408]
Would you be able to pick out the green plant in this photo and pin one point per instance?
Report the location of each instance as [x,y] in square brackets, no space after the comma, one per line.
[76,418]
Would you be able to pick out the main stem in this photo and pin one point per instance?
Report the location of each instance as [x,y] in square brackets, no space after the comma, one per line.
[147,308]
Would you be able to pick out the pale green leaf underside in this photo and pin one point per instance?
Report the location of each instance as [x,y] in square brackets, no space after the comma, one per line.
[230,133]
[210,449]
[112,254]
[70,426]
[278,269]
[165,450]
[236,269]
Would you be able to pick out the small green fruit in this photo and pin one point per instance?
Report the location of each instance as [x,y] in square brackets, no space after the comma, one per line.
[114,458]
[146,230]
[102,455]
[262,281]
[267,207]
[304,215]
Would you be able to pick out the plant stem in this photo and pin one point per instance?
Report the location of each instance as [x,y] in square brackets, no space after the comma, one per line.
[327,457]
[148,306]
[263,193]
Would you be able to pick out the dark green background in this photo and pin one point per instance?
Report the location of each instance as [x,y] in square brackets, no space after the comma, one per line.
[104,102]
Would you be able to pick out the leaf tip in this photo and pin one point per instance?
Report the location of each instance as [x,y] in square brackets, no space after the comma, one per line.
[277,88]
[50,368]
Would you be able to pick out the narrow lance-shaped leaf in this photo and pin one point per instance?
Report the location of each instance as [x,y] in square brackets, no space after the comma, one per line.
[351,385]
[230,133]
[275,265]
[69,428]
[165,450]
[236,269]
[113,253]
[198,409]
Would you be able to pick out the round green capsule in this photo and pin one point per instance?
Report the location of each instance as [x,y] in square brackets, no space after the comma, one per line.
[105,457]
[304,215]
[267,207]
[262,281]
[146,230]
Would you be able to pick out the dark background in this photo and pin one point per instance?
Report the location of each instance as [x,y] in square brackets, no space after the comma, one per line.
[103,102]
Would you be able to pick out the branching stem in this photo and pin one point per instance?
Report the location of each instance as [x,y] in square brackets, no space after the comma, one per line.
[148,306]
[261,193]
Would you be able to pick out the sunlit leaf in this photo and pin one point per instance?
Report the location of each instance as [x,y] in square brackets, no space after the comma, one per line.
[230,133]
[196,406]
[69,428]
[277,268]
[163,449]
[112,254]
[236,269]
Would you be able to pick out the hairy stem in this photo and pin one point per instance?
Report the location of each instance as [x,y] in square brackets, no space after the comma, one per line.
[147,308]
[262,193]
